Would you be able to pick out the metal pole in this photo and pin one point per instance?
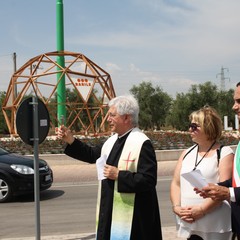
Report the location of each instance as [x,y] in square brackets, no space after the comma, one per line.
[14,70]
[36,167]
[61,88]
[14,62]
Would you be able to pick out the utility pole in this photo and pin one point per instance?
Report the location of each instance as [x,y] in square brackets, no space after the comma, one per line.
[14,70]
[14,62]
[222,83]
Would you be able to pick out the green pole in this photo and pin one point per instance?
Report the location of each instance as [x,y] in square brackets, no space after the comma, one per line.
[61,88]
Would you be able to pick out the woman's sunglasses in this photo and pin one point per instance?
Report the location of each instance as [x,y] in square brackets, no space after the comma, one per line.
[193,126]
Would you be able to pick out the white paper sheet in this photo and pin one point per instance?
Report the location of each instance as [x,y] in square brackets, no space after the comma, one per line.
[100,163]
[195,178]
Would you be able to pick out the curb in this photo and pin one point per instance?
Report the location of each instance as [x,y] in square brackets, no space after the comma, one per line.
[168,233]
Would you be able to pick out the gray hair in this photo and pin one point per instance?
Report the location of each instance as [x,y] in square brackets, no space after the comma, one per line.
[126,105]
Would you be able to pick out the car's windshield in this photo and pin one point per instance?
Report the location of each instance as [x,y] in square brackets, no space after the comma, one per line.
[3,152]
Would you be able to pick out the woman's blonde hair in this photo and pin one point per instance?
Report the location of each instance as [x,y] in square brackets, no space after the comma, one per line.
[209,120]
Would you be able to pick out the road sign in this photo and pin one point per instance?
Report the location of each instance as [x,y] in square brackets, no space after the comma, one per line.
[24,121]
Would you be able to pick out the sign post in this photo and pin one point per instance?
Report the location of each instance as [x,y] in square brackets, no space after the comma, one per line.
[32,122]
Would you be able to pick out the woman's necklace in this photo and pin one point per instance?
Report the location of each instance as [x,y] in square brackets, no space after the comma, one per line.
[198,162]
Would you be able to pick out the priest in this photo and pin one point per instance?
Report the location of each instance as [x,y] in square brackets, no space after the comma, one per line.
[127,206]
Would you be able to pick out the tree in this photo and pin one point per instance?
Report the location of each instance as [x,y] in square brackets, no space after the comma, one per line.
[225,103]
[154,105]
[179,112]
[203,94]
[198,96]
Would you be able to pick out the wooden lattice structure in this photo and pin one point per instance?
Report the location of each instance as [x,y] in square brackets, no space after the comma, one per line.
[90,86]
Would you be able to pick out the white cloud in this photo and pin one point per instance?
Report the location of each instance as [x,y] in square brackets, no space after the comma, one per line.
[112,67]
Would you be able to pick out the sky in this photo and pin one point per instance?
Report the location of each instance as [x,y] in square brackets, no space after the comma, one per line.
[170,43]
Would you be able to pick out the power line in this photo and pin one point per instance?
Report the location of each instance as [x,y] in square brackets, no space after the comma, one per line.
[6,55]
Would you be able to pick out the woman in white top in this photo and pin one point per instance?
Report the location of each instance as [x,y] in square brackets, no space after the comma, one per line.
[199,218]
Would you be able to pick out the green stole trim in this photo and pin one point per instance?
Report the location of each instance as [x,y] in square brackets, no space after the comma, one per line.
[236,168]
[123,203]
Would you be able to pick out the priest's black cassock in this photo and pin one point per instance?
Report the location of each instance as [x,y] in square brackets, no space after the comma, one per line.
[146,224]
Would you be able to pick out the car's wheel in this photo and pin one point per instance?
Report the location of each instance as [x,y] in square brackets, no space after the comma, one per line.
[5,190]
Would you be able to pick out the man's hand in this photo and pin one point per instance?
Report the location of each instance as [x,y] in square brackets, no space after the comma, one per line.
[64,134]
[110,172]
[215,192]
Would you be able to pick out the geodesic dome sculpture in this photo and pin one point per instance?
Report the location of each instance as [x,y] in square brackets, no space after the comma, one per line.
[88,91]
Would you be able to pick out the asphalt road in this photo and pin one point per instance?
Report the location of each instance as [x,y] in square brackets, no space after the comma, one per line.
[68,206]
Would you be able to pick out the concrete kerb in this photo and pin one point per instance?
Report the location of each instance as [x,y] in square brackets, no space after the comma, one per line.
[161,155]
[167,160]
[62,159]
[168,233]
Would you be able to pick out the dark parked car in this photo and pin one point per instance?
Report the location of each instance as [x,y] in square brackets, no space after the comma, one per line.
[17,175]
